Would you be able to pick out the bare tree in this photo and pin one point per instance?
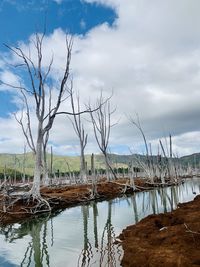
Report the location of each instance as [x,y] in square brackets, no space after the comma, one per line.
[94,178]
[24,165]
[149,166]
[45,162]
[40,89]
[132,182]
[80,132]
[139,127]
[101,121]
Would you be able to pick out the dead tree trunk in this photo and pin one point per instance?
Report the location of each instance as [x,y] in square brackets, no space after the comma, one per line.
[80,132]
[40,91]
[24,166]
[132,182]
[94,178]
[45,162]
[35,190]
[101,121]
[149,168]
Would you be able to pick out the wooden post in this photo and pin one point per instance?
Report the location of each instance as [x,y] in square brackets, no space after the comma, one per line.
[15,171]
[170,145]
[92,164]
[51,161]
[94,177]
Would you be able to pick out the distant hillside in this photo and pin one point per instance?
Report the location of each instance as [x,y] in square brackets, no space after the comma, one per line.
[10,162]
[61,163]
[193,160]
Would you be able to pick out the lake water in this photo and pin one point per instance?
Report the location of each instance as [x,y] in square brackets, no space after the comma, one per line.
[85,235]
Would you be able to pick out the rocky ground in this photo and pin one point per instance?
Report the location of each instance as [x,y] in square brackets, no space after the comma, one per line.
[164,240]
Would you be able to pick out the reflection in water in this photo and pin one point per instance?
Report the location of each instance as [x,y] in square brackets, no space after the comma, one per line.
[86,254]
[27,256]
[85,235]
[95,214]
[37,249]
[135,209]
[108,251]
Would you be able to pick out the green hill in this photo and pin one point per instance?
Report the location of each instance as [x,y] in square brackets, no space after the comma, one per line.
[11,162]
[61,163]
[193,160]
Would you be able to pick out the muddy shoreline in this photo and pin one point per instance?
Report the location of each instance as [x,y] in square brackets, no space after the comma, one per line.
[168,240]
[61,197]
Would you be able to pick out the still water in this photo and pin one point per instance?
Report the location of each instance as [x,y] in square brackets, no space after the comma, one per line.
[85,235]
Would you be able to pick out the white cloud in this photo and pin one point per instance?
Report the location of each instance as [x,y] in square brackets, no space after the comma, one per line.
[83,24]
[149,57]
[8,77]
[108,3]
[58,1]
[11,139]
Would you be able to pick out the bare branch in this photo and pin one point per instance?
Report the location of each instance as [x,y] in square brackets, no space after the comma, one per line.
[139,127]
[101,121]
[16,87]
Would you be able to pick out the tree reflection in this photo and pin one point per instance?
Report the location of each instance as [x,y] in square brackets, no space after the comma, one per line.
[135,209]
[86,253]
[108,250]
[98,229]
[37,249]
[27,256]
[163,197]
[95,215]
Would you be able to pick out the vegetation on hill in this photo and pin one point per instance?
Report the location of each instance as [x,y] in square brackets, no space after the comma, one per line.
[11,162]
[193,160]
[61,163]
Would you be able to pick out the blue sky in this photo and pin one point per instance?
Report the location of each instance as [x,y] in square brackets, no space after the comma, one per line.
[146,52]
[20,18]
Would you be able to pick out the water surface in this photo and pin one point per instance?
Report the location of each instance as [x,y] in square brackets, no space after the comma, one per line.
[85,235]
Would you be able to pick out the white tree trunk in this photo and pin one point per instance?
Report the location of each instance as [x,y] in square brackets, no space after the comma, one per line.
[35,190]
[94,178]
[108,173]
[83,173]
[46,179]
[132,182]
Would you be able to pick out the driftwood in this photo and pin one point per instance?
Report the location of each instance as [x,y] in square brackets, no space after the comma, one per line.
[190,231]
[126,187]
[29,205]
[164,184]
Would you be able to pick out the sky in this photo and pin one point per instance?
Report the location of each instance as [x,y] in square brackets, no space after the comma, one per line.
[145,53]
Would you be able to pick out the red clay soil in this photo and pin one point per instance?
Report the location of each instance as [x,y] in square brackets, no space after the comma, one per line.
[164,240]
[60,197]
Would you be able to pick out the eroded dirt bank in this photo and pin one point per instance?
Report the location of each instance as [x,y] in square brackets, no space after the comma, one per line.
[164,240]
[14,208]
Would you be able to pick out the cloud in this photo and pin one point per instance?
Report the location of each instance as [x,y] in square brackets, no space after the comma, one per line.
[58,1]
[83,24]
[21,5]
[107,3]
[10,78]
[11,140]
[149,57]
